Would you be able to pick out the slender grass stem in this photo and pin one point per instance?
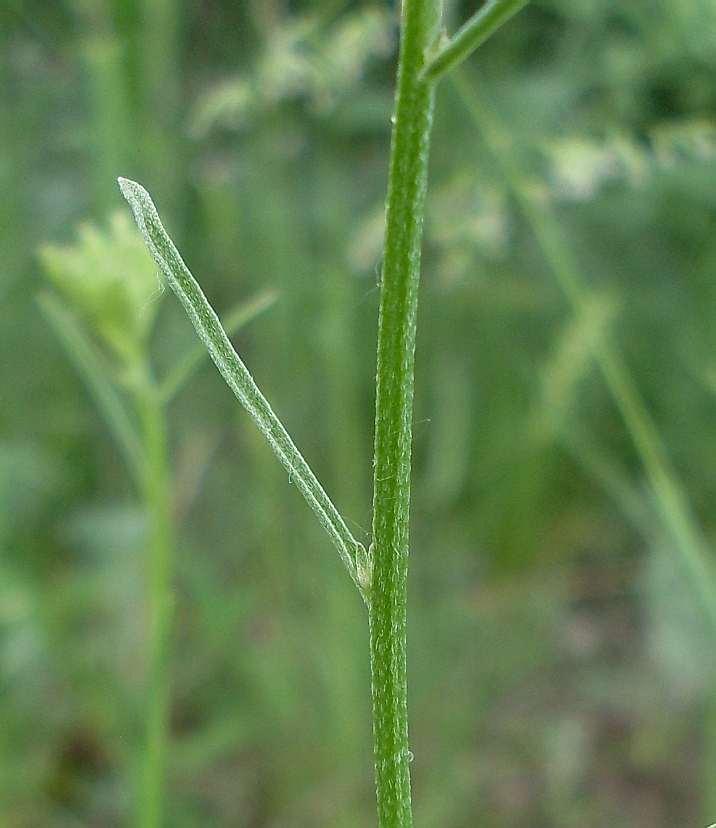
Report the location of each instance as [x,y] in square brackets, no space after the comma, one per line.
[670,502]
[407,184]
[238,378]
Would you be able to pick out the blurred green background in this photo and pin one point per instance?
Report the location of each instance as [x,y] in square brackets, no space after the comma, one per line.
[560,662]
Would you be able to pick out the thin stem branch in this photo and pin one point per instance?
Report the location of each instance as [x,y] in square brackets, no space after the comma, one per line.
[184,368]
[238,378]
[487,20]
[90,367]
[407,186]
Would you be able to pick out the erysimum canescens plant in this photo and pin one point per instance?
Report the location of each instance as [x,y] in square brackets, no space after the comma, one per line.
[426,54]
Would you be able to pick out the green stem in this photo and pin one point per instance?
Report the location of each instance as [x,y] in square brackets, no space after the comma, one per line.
[156,494]
[394,403]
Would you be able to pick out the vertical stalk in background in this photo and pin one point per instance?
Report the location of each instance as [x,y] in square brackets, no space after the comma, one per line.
[110,284]
[156,494]
[134,406]
[407,184]
[670,501]
[111,138]
[160,92]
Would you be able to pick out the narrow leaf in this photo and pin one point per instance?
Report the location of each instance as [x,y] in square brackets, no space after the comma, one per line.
[235,373]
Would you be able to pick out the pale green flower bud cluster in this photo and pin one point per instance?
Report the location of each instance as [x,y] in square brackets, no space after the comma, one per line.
[110,280]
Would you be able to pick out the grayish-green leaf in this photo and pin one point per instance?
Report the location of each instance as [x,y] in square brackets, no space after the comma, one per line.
[237,376]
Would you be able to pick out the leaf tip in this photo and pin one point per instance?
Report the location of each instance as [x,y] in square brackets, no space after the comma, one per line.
[132,191]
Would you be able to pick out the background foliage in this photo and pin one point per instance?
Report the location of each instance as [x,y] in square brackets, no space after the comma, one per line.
[560,671]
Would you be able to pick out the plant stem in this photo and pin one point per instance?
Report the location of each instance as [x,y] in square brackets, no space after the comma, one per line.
[155,488]
[412,123]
